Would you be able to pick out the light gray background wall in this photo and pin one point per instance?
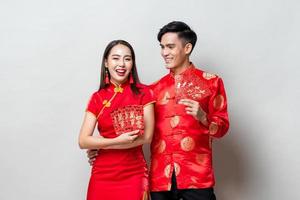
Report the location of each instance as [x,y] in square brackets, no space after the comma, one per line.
[50,56]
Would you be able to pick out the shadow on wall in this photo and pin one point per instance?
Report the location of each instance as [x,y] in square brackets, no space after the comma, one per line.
[229,167]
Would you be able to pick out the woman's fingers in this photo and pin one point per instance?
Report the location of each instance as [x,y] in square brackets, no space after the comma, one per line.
[135,132]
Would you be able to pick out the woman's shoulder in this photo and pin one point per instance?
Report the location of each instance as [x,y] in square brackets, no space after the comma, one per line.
[142,85]
[98,94]
[144,88]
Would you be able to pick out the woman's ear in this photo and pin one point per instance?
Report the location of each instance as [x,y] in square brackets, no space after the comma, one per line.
[105,63]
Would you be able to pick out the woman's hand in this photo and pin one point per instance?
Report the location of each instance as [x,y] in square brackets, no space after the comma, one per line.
[128,137]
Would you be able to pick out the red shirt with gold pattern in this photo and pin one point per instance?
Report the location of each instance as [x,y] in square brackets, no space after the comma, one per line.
[181,142]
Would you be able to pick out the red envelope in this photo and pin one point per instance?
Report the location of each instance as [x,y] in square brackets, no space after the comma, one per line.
[190,86]
[128,118]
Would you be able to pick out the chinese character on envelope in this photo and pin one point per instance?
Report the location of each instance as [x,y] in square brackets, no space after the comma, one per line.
[128,118]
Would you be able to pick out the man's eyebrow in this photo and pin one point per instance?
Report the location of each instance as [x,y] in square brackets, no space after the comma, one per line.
[169,44]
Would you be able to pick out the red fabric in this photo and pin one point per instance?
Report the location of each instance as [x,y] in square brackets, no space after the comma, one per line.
[181,142]
[118,174]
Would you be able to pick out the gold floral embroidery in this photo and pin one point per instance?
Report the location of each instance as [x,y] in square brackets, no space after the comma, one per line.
[176,168]
[200,158]
[213,128]
[165,99]
[219,102]
[160,146]
[169,186]
[168,171]
[174,121]
[208,76]
[187,144]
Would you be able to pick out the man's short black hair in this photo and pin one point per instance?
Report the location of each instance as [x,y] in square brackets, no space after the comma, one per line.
[183,31]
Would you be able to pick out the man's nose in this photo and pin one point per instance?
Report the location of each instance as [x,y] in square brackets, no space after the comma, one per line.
[164,52]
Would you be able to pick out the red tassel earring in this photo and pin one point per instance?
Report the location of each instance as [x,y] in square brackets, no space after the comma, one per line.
[131,81]
[106,80]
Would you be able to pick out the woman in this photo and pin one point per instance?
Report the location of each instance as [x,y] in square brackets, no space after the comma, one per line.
[123,110]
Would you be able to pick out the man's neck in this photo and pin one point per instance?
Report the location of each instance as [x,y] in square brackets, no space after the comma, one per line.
[178,70]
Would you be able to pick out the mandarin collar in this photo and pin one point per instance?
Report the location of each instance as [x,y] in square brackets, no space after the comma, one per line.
[118,87]
[186,71]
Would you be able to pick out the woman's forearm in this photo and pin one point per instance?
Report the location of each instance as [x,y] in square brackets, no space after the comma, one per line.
[141,140]
[97,142]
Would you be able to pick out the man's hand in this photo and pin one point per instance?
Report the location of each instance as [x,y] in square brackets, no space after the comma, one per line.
[92,154]
[193,108]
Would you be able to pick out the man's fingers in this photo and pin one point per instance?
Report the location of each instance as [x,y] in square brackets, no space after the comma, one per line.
[188,102]
[91,156]
[185,103]
[91,153]
[190,109]
[91,162]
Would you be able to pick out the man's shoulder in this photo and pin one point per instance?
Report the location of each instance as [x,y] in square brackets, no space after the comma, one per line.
[205,74]
[156,83]
[143,87]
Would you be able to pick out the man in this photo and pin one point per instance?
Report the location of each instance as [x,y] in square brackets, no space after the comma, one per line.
[190,110]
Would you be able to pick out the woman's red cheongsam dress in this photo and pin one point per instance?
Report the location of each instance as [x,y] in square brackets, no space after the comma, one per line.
[119,174]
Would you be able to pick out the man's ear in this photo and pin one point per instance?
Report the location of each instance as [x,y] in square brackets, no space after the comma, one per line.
[188,48]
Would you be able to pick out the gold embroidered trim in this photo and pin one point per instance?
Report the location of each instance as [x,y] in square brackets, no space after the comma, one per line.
[107,103]
[118,89]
